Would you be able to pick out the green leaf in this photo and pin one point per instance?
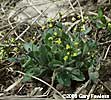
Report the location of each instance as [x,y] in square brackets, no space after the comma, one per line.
[64,78]
[93,76]
[43,56]
[59,25]
[85,49]
[88,30]
[28,72]
[26,78]
[100,25]
[13,59]
[100,13]
[92,44]
[27,62]
[54,64]
[77,75]
[30,47]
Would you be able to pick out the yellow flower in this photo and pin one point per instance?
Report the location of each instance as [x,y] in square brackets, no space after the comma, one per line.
[73,19]
[68,46]
[12,39]
[79,16]
[109,24]
[49,19]
[50,25]
[1,51]
[60,29]
[92,55]
[65,58]
[83,28]
[74,54]
[19,44]
[15,49]
[68,53]
[78,50]
[50,38]
[58,41]
[83,20]
[75,28]
[76,44]
[43,27]
[55,33]
[88,53]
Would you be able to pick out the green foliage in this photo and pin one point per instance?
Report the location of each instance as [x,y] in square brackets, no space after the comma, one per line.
[99,21]
[101,24]
[69,55]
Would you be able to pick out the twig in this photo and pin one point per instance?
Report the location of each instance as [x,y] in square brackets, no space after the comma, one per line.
[38,97]
[36,91]
[92,89]
[71,5]
[1,94]
[42,82]
[107,52]
[76,22]
[53,78]
[105,85]
[7,25]
[80,10]
[92,13]
[83,87]
[105,42]
[22,33]
[20,89]
[29,26]
[14,30]
[37,10]
[13,85]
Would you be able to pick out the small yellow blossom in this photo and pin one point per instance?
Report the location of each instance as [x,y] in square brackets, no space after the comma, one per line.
[60,29]
[78,16]
[83,28]
[55,33]
[19,44]
[109,24]
[68,46]
[93,55]
[78,49]
[88,53]
[65,58]
[73,19]
[74,54]
[1,51]
[49,19]
[68,53]
[58,41]
[12,39]
[15,49]
[83,20]
[50,25]
[76,44]
[50,38]
[43,27]
[75,28]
